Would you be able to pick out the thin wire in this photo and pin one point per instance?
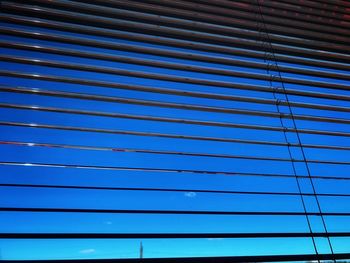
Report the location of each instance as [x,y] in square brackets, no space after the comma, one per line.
[300,143]
[269,50]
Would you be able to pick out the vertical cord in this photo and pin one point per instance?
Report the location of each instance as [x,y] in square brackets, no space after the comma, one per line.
[297,134]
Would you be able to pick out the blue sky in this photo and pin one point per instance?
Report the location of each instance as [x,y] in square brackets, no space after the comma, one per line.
[26,156]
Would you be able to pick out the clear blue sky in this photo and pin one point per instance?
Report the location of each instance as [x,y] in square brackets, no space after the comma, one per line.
[114,223]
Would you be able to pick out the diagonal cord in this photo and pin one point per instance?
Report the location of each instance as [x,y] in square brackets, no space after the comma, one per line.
[299,141]
[297,134]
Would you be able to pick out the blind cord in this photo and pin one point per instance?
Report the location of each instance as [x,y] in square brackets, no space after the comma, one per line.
[270,55]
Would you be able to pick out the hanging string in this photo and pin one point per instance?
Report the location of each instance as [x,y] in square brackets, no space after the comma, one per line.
[271,61]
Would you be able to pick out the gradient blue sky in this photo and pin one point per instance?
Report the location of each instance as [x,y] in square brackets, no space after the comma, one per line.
[113,223]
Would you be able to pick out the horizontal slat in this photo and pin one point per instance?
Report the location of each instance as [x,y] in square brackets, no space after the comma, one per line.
[272,15]
[208,26]
[155,118]
[166,190]
[176,66]
[165,212]
[161,170]
[185,34]
[335,8]
[175,105]
[183,121]
[172,78]
[201,12]
[115,85]
[279,7]
[199,154]
[262,258]
[332,3]
[162,190]
[230,140]
[144,38]
[166,235]
[93,97]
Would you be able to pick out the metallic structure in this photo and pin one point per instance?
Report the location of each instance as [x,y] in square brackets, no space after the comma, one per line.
[268,78]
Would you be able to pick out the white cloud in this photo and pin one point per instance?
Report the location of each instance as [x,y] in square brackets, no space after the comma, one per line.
[87,251]
[190,194]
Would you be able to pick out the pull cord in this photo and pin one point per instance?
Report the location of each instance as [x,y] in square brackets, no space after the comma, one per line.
[270,56]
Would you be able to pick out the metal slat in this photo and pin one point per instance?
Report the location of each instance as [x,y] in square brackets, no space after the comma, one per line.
[165,212]
[162,64]
[215,22]
[220,12]
[272,143]
[183,34]
[207,26]
[279,6]
[165,152]
[166,235]
[93,97]
[115,85]
[339,3]
[231,140]
[142,38]
[254,258]
[168,77]
[177,136]
[275,12]
[105,188]
[321,7]
[167,170]
[175,105]
[125,132]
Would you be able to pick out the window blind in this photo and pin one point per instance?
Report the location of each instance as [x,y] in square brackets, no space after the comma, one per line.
[174,131]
